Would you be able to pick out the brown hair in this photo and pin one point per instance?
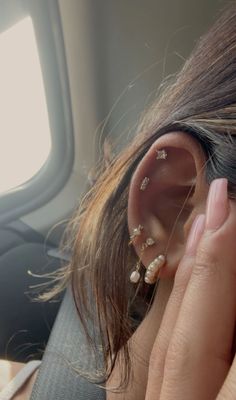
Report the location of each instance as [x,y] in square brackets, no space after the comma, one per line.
[201,101]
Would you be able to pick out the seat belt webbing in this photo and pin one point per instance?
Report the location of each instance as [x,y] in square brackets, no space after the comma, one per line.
[67,346]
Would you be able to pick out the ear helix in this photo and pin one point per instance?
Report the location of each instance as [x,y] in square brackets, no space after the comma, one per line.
[152,272]
[161,155]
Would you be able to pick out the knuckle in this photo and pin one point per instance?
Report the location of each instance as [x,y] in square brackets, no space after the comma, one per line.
[156,365]
[178,354]
[179,287]
[181,277]
[206,264]
[156,360]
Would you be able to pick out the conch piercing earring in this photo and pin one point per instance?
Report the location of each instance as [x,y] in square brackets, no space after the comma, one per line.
[135,275]
[161,155]
[144,183]
[136,232]
[149,242]
[153,269]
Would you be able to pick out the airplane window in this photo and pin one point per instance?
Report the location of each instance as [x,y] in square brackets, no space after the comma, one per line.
[25,138]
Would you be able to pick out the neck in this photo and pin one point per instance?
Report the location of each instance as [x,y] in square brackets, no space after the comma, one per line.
[141,344]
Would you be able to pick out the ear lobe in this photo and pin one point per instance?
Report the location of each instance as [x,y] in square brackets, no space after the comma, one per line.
[175,193]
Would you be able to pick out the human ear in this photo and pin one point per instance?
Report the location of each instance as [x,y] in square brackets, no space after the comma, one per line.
[164,206]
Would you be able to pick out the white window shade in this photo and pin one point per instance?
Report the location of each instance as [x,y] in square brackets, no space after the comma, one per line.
[25,138]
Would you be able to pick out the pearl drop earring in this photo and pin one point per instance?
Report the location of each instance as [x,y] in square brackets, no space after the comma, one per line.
[135,275]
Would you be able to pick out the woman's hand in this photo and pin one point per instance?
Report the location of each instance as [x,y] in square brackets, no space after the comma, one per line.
[193,355]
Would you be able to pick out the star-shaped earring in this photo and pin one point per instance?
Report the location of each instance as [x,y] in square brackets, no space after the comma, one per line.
[161,155]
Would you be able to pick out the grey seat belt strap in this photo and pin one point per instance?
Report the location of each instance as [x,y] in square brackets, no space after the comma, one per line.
[67,349]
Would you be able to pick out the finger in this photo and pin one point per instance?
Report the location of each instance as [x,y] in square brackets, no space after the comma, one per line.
[159,350]
[228,391]
[198,356]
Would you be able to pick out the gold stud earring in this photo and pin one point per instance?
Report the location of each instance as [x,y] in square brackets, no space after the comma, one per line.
[136,232]
[144,184]
[153,269]
[161,155]
[149,242]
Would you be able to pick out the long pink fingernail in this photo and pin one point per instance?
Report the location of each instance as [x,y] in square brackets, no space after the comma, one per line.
[195,234]
[217,204]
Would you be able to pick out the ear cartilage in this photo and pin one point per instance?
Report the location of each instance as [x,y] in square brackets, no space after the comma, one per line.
[144,183]
[153,269]
[161,155]
[136,232]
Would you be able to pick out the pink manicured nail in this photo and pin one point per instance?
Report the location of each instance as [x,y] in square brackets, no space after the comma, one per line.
[217,204]
[195,234]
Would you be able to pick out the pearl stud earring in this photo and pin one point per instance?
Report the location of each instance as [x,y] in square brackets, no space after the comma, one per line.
[153,269]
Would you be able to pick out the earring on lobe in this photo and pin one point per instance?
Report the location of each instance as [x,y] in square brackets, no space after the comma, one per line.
[135,275]
[153,269]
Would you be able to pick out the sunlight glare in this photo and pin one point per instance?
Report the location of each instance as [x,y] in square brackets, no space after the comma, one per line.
[25,138]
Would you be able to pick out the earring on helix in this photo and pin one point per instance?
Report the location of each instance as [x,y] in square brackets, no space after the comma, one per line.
[161,154]
[154,267]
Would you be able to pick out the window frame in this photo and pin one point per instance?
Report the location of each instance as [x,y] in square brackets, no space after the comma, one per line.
[51,178]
